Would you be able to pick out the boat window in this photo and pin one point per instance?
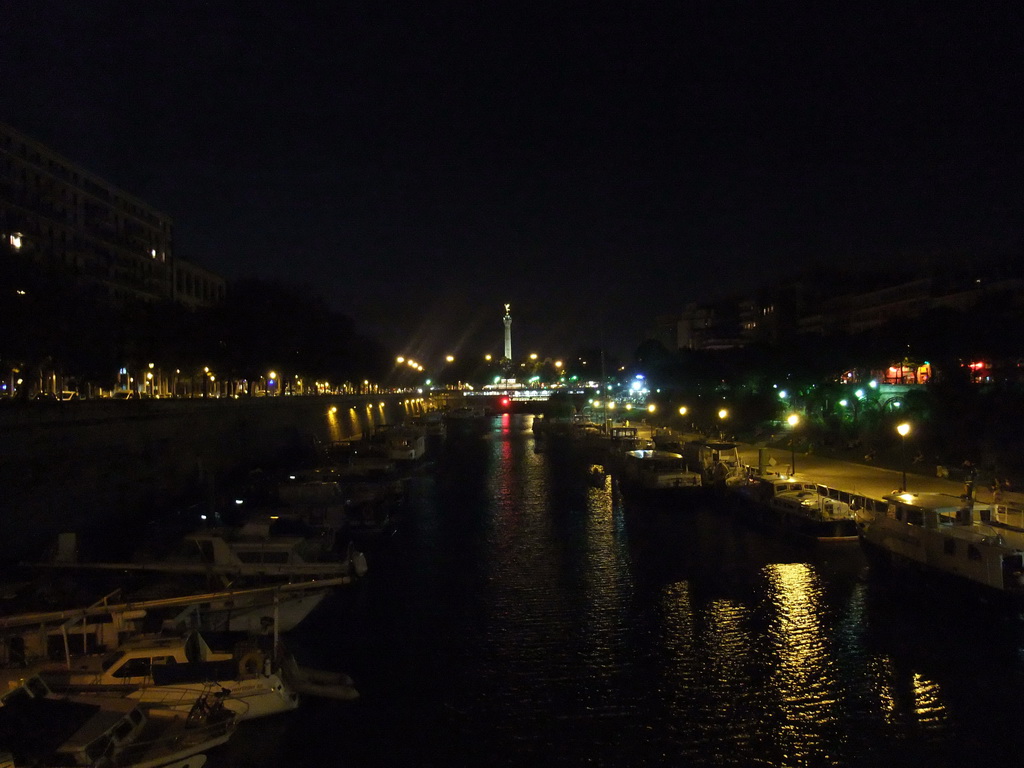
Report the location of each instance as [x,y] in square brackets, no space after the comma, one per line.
[949,546]
[98,748]
[137,667]
[123,729]
[111,660]
[973,553]
[913,516]
[248,557]
[36,687]
[275,557]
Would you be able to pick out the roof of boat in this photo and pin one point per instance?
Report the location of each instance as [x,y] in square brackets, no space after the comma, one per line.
[647,453]
[785,480]
[936,501]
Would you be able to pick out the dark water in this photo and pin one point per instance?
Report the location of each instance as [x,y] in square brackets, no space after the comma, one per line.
[521,617]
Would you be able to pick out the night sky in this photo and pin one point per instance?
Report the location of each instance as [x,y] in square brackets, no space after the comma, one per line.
[596,164]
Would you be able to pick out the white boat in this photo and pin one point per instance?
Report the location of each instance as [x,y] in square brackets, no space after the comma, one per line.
[797,507]
[405,444]
[59,634]
[611,446]
[253,552]
[951,538]
[40,729]
[655,473]
[351,504]
[719,462]
[173,672]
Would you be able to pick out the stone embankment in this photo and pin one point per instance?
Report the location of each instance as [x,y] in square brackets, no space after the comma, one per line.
[96,463]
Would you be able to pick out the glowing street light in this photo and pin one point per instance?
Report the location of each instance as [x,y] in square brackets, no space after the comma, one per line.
[683,410]
[904,430]
[723,414]
[793,420]
[450,358]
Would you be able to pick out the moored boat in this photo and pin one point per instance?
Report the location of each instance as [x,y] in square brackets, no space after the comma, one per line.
[659,475]
[54,635]
[40,729]
[797,507]
[171,672]
[952,539]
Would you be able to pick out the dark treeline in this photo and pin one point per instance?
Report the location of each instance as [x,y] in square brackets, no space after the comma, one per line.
[955,419]
[52,326]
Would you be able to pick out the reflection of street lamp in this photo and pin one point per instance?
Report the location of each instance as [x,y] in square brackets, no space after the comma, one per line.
[793,420]
[904,430]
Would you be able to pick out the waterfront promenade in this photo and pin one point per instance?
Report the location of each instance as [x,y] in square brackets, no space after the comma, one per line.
[864,479]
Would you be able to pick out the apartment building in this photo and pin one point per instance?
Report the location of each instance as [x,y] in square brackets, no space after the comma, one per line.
[61,216]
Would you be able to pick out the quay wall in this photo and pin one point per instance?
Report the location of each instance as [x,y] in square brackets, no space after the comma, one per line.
[96,463]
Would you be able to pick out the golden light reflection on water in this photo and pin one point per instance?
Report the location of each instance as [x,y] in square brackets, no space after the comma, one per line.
[903,693]
[803,681]
[928,704]
[333,426]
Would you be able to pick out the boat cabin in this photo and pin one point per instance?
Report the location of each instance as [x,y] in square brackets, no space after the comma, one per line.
[36,725]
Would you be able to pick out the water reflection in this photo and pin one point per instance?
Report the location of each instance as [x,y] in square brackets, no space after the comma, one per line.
[526,618]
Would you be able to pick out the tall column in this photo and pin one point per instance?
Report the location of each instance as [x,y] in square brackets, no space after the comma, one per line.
[507,320]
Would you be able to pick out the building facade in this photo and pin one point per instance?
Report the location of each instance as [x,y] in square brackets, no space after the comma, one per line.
[63,217]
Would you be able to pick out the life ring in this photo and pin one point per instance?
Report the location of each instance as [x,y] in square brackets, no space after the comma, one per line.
[250,665]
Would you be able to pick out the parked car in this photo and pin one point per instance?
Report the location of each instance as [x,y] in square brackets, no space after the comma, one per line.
[68,395]
[125,394]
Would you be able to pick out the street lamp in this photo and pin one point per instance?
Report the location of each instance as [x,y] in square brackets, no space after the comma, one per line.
[793,420]
[723,414]
[904,430]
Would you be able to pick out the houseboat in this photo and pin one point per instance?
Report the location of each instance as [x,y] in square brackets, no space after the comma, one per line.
[952,539]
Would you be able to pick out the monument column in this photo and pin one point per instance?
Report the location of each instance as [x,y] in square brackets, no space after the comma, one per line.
[507,320]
